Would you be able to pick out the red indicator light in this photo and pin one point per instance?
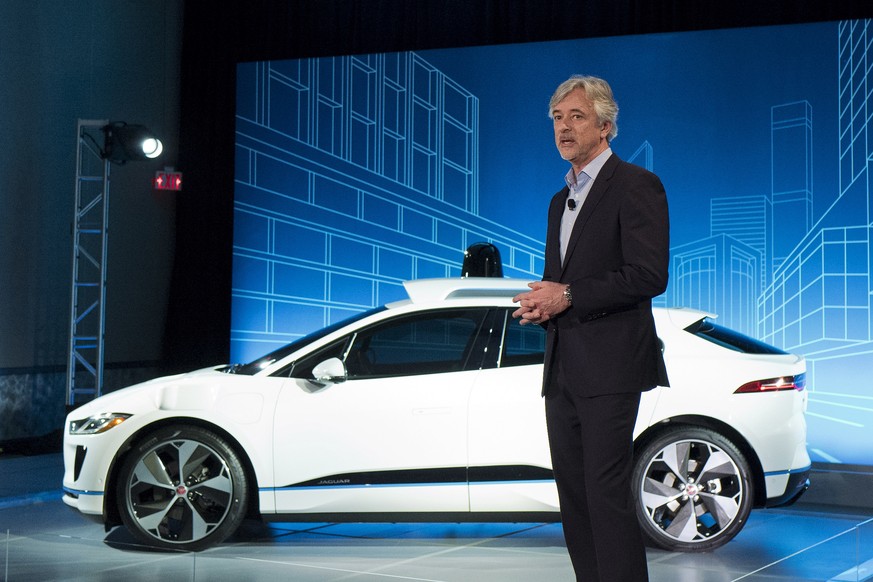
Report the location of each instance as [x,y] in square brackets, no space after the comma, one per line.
[797,382]
[168,181]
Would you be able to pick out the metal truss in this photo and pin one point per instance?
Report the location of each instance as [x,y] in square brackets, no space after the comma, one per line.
[88,287]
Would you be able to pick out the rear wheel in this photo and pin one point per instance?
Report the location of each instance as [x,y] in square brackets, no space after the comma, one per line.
[692,489]
[182,488]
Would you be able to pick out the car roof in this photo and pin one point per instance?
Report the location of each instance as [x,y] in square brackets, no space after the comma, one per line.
[431,290]
[435,290]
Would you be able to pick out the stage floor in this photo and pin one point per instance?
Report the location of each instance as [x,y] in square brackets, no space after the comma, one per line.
[42,539]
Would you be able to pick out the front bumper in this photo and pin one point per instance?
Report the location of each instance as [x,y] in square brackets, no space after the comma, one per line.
[87,461]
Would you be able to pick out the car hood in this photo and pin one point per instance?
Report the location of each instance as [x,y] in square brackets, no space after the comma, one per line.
[145,395]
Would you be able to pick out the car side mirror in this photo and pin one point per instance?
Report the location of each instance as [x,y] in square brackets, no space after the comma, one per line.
[330,371]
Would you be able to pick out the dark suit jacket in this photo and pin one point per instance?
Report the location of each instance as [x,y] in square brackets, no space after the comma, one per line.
[617,261]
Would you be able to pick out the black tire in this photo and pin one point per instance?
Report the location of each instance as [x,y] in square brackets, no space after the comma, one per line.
[692,489]
[182,488]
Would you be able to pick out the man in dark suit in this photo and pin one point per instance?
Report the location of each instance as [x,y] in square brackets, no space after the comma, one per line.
[607,254]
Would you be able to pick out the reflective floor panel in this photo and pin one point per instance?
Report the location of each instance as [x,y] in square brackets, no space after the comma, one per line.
[42,539]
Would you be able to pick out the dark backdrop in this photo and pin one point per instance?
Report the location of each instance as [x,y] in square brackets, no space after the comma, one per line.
[215,40]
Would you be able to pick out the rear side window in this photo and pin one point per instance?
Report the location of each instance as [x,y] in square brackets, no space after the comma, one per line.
[524,344]
[730,339]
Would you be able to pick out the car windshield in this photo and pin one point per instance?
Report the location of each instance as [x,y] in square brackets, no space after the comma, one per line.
[730,339]
[266,360]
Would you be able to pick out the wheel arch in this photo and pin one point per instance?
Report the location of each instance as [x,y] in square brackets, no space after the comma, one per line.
[696,421]
[111,516]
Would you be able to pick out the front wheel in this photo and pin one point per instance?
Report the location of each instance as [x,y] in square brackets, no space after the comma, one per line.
[182,488]
[692,489]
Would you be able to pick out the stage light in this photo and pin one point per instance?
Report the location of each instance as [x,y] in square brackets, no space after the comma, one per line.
[124,142]
[152,147]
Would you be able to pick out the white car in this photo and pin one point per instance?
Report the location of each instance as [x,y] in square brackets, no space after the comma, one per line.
[430,409]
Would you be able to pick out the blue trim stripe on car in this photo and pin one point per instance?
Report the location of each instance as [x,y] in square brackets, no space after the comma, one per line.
[78,492]
[788,471]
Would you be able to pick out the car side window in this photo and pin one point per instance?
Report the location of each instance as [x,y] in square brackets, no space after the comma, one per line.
[423,343]
[524,345]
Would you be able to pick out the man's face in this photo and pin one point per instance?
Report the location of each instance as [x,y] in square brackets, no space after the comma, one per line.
[578,134]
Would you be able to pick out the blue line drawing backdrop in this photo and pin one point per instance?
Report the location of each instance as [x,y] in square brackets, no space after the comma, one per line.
[355,173]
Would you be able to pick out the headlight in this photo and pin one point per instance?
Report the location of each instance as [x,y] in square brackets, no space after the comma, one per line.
[97,423]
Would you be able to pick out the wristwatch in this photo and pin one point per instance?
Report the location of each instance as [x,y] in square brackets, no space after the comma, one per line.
[568,297]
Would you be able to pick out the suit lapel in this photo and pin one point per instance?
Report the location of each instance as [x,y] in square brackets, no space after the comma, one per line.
[595,195]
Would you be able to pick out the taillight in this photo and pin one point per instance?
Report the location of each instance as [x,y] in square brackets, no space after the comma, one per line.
[797,382]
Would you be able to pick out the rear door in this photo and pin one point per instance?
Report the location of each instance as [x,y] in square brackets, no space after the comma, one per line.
[510,466]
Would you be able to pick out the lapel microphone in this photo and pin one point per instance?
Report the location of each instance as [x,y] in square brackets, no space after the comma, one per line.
[571,204]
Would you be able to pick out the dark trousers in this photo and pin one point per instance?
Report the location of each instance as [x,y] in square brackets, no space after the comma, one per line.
[591,441]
